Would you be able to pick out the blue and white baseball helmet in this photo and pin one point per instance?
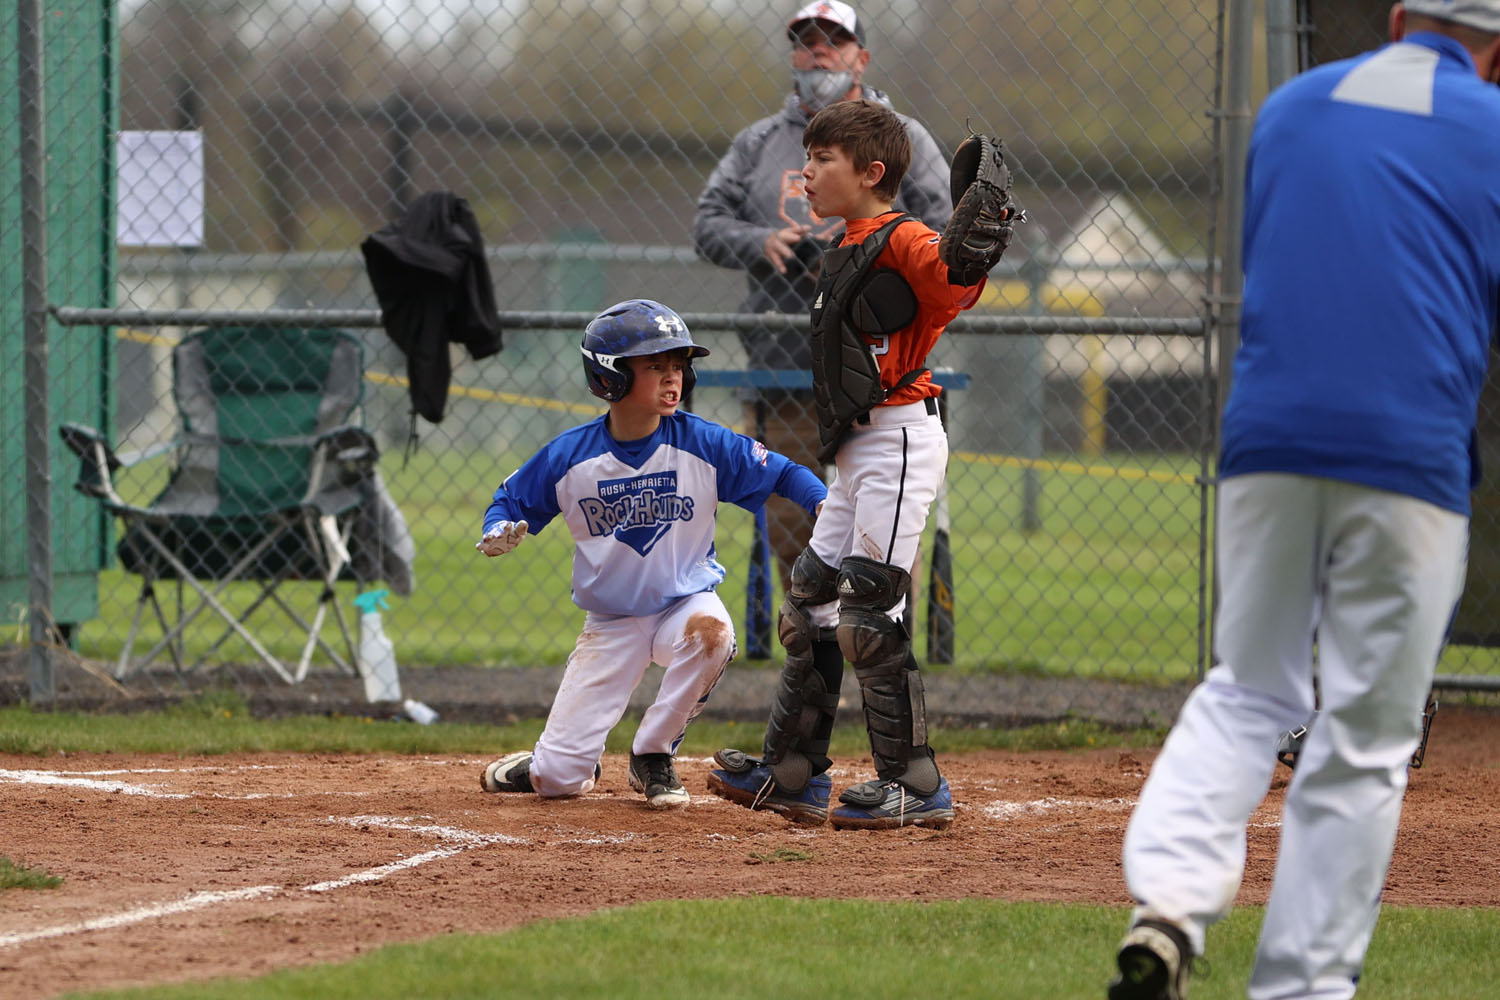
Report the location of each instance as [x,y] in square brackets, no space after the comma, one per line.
[632,329]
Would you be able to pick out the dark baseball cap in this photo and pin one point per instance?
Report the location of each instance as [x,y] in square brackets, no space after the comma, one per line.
[835,12]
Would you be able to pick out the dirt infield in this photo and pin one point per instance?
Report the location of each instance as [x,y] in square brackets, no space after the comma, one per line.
[184,868]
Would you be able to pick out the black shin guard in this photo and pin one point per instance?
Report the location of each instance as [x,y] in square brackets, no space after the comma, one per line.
[807,698]
[828,661]
[891,686]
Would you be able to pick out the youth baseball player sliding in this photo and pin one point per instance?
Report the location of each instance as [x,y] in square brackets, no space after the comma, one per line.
[1372,276]
[638,489]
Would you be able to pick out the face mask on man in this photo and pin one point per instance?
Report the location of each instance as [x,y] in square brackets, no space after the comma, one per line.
[818,88]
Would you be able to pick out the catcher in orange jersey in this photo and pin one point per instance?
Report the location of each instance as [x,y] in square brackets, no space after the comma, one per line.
[883,298]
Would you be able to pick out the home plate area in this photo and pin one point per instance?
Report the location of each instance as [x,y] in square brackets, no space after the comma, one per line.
[185,868]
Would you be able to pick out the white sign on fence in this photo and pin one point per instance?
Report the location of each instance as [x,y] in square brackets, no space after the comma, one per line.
[160,201]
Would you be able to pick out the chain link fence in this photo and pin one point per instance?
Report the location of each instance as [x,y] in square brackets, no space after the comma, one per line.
[215,165]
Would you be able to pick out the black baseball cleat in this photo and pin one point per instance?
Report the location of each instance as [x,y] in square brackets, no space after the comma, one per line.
[512,773]
[653,775]
[1154,961]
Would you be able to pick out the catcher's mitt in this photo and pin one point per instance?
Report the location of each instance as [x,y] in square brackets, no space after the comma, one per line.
[983,213]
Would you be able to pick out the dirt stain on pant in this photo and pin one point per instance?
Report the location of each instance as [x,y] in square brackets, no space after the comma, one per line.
[709,634]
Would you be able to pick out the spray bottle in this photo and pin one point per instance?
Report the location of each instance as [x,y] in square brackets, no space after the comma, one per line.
[377,655]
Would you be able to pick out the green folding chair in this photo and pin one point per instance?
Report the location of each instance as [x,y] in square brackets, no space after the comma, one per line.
[268,479]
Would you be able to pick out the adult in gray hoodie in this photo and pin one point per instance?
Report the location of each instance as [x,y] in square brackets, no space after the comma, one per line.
[753,216]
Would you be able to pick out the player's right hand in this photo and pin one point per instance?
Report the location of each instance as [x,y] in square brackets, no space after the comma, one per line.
[501,538]
[781,245]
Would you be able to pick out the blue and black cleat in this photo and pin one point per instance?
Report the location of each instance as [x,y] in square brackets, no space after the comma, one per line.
[889,805]
[745,780]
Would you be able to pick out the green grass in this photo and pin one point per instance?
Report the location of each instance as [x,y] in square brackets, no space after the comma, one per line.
[18,876]
[752,948]
[1107,586]
[221,723]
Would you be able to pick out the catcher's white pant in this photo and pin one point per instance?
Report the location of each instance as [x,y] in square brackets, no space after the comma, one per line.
[887,476]
[693,640]
[1373,577]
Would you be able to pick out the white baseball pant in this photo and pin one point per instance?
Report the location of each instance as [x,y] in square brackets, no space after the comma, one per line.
[887,474]
[693,640]
[1372,578]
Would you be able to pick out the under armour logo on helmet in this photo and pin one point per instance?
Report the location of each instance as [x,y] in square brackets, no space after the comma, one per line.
[669,324]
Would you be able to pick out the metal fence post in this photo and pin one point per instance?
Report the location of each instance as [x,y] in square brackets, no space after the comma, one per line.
[1034,271]
[1281,42]
[1238,116]
[29,89]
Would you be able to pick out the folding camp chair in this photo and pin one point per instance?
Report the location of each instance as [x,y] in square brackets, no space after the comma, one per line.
[267,481]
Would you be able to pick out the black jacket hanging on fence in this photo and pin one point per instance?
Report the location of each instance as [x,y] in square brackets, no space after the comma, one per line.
[433,285]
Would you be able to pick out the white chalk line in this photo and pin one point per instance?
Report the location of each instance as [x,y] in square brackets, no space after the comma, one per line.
[378,873]
[1005,811]
[82,781]
[87,780]
[458,841]
[451,833]
[185,770]
[196,901]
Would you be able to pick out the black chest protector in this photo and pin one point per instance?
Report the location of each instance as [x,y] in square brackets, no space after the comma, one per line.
[853,299]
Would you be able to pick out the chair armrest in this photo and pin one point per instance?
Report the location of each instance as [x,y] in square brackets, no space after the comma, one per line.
[96,461]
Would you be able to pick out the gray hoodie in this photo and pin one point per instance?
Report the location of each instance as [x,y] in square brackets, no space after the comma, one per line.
[757,189]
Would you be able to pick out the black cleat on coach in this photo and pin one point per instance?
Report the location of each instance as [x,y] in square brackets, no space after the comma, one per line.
[1154,961]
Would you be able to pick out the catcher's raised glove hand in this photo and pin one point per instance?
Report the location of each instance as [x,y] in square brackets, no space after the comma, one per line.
[501,538]
[983,214]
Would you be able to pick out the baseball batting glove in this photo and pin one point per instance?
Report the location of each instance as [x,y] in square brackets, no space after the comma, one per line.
[1289,745]
[501,538]
[984,216]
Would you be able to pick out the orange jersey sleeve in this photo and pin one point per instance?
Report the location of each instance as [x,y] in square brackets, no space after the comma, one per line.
[913,253]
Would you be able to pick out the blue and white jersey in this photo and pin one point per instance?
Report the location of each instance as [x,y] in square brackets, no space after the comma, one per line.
[1372,270]
[642,513]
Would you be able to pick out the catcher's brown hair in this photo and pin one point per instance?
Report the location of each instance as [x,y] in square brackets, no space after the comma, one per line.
[867,132]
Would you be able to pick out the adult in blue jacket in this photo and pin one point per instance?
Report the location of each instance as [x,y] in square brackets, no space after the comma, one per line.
[1372,273]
